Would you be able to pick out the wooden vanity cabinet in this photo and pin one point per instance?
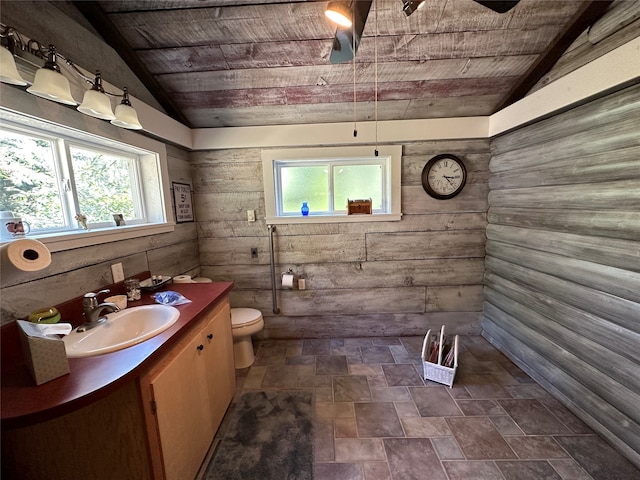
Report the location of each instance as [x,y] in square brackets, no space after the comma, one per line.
[157,423]
[186,395]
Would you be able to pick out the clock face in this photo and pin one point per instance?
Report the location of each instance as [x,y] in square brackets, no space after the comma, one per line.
[444,176]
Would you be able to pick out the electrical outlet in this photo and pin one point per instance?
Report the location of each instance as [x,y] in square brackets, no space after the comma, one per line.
[254,252]
[117,272]
[251,215]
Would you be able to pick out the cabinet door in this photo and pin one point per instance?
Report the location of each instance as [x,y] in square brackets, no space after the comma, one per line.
[221,375]
[180,391]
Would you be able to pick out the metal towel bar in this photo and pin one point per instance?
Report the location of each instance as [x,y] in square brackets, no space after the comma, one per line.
[276,310]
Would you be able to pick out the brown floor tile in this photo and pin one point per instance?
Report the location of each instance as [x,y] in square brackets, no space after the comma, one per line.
[385,341]
[359,450]
[285,376]
[376,471]
[358,342]
[400,355]
[434,401]
[527,391]
[479,439]
[425,427]
[390,394]
[399,375]
[301,360]
[316,347]
[536,447]
[334,471]
[528,470]
[598,458]
[405,409]
[377,420]
[569,419]
[533,418]
[505,425]
[364,369]
[323,438]
[413,459]
[480,407]
[472,470]
[569,469]
[351,389]
[412,344]
[331,411]
[483,385]
[345,428]
[447,448]
[331,365]
[376,355]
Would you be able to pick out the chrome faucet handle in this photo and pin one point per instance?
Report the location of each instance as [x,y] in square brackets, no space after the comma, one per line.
[90,300]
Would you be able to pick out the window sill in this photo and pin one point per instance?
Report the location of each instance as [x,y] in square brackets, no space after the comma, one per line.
[382,217]
[57,242]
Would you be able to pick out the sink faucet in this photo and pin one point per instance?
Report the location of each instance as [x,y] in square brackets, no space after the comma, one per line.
[93,310]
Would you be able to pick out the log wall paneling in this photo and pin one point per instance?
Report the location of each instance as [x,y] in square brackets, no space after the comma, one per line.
[562,281]
[374,278]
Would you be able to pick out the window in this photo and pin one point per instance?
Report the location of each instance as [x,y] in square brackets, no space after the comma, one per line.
[325,178]
[65,182]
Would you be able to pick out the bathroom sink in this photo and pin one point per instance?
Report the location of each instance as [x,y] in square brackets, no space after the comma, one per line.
[121,330]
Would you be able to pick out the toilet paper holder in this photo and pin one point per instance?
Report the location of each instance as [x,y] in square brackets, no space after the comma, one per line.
[288,279]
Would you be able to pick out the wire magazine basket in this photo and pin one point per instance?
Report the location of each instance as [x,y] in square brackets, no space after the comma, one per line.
[440,358]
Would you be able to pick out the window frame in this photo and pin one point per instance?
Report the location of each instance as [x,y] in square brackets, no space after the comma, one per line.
[390,154]
[152,179]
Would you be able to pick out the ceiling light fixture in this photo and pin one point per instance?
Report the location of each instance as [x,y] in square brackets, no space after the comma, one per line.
[50,83]
[339,13]
[408,7]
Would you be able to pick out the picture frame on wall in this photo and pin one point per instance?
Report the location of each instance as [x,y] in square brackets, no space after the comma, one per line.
[183,202]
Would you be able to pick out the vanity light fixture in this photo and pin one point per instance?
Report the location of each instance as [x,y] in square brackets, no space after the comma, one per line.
[50,83]
[8,70]
[339,13]
[95,102]
[126,116]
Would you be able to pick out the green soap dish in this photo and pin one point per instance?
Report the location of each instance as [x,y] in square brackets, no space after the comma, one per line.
[45,315]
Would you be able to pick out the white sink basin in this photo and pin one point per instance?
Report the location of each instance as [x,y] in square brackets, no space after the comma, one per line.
[121,330]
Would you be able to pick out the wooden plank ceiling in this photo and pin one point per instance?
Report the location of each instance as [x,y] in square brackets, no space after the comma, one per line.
[214,63]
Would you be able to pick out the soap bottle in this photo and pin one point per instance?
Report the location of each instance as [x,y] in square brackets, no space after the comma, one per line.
[304,209]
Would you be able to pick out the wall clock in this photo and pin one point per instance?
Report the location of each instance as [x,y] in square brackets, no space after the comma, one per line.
[444,176]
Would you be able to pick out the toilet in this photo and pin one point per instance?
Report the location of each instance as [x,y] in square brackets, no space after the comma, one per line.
[245,322]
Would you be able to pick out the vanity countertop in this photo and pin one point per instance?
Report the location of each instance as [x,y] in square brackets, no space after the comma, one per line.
[23,403]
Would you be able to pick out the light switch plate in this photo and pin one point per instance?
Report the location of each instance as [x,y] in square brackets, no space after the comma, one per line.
[117,272]
[251,215]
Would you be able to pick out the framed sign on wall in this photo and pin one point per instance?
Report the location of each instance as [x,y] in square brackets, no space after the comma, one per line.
[183,202]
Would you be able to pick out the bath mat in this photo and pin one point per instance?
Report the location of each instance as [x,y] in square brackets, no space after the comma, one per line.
[269,437]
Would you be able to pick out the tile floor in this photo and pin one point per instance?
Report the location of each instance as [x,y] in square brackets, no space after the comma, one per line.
[376,419]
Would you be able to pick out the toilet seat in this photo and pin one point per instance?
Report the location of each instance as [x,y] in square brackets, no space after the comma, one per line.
[244,317]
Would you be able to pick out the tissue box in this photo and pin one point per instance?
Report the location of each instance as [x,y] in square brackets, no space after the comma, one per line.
[45,357]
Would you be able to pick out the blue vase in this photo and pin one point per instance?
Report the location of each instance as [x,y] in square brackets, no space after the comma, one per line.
[305,209]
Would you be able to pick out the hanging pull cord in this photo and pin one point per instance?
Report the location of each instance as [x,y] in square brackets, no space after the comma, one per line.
[375,59]
[355,108]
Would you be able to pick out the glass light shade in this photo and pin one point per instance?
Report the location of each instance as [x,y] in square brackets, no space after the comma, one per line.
[52,85]
[8,70]
[339,13]
[96,104]
[126,117]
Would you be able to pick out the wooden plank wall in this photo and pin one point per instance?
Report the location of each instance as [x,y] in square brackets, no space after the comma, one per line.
[75,272]
[363,279]
[562,283]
